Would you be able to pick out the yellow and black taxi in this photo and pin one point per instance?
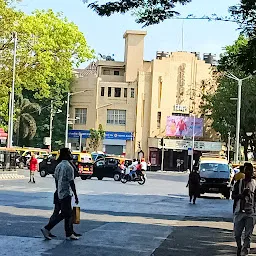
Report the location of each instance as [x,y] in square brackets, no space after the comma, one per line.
[215,176]
[83,164]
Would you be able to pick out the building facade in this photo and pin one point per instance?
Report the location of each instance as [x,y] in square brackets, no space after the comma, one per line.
[132,100]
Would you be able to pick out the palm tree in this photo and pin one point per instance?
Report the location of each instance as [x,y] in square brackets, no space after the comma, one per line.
[25,124]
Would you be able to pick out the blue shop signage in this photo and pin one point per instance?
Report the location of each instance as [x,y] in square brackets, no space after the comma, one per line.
[108,135]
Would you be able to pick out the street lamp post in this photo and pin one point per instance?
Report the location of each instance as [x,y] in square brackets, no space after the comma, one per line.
[67,116]
[51,120]
[238,119]
[193,143]
[11,103]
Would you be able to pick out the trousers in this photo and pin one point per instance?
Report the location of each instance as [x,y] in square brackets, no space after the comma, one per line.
[243,222]
[63,210]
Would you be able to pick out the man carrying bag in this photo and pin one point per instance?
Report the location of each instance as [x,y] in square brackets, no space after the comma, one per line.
[65,185]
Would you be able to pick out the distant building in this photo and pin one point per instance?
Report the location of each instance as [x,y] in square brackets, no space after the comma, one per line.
[132,100]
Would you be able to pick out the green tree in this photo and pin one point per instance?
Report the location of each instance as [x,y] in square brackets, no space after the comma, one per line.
[49,46]
[25,124]
[96,137]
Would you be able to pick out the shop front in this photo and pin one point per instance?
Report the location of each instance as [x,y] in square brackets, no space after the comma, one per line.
[114,143]
[176,153]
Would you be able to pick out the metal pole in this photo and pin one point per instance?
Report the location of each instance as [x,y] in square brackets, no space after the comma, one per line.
[80,141]
[162,163]
[193,143]
[11,104]
[67,117]
[229,139]
[239,98]
[51,126]
[9,122]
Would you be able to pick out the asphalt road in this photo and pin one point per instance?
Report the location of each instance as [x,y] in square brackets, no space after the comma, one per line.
[117,219]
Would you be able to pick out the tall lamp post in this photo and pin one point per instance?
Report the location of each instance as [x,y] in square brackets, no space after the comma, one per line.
[11,100]
[67,116]
[193,142]
[238,119]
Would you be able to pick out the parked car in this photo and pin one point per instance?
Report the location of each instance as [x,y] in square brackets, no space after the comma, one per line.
[107,167]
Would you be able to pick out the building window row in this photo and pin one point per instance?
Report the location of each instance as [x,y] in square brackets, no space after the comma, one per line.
[118,92]
[108,72]
[116,117]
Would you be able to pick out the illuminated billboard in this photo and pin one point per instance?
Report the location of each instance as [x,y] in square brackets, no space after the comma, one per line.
[179,126]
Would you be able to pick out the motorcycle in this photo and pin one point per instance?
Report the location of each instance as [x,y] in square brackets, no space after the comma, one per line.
[140,178]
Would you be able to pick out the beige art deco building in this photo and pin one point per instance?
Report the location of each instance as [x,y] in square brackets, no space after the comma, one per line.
[132,100]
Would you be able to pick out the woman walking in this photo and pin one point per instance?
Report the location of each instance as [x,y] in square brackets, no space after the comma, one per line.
[194,185]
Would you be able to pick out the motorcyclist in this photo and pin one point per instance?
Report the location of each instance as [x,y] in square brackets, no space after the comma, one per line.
[133,168]
[139,168]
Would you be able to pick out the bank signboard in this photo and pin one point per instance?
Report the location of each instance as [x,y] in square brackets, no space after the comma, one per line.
[108,135]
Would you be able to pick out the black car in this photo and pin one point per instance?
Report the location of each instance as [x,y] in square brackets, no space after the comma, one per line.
[48,165]
[108,167]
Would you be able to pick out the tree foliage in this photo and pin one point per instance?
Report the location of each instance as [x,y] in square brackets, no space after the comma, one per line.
[49,46]
[96,137]
[25,124]
[221,109]
[148,12]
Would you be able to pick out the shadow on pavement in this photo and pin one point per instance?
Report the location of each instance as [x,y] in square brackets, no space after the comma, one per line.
[198,241]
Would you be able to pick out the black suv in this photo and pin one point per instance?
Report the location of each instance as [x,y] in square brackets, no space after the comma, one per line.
[108,167]
[48,165]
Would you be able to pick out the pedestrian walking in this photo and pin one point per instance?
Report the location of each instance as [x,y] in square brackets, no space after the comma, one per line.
[65,186]
[57,206]
[244,210]
[194,185]
[33,167]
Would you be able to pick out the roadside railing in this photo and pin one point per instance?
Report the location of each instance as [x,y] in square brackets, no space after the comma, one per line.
[8,161]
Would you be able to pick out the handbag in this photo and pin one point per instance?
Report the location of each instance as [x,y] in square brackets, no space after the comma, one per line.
[76,215]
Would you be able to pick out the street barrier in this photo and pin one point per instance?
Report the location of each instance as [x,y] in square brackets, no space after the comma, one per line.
[8,160]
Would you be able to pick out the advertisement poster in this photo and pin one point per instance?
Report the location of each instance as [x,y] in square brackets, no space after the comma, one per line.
[179,126]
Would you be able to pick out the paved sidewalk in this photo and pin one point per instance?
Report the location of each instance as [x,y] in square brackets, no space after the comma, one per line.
[200,238]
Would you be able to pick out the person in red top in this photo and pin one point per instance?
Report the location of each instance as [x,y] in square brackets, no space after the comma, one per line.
[181,127]
[33,167]
[138,168]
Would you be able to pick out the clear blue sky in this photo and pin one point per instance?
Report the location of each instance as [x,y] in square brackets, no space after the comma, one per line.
[105,35]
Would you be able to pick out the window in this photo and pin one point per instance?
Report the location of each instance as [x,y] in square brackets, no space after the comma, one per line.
[117,92]
[106,72]
[132,92]
[116,72]
[109,91]
[159,120]
[125,92]
[80,115]
[102,92]
[116,117]
[100,163]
